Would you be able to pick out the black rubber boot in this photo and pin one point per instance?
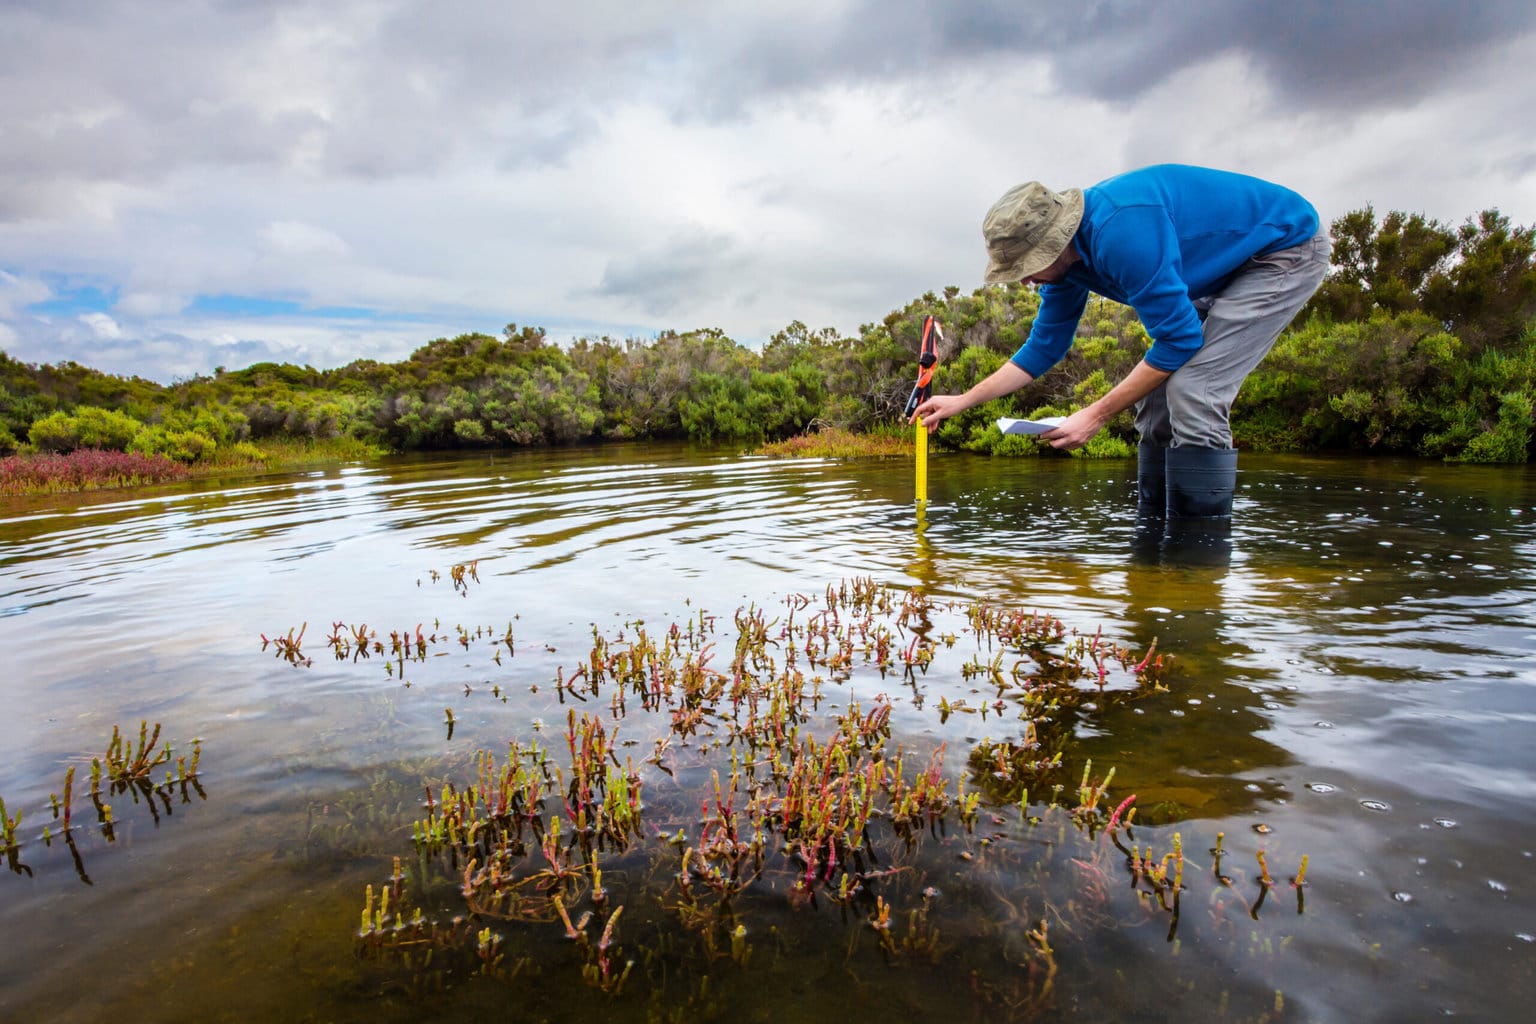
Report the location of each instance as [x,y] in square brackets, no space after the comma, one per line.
[1200,482]
[1151,502]
[1151,481]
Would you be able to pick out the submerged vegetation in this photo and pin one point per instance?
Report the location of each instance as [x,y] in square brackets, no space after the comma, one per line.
[728,804]
[1422,340]
[127,769]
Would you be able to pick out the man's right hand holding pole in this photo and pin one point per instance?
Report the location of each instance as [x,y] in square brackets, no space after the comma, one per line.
[1005,380]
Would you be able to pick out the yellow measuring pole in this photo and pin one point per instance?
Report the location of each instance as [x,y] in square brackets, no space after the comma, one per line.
[921,439]
[928,357]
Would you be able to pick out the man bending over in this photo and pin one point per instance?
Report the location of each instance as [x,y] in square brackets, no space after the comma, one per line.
[1214,263]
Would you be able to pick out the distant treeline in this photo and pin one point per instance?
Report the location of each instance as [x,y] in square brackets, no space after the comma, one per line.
[1422,340]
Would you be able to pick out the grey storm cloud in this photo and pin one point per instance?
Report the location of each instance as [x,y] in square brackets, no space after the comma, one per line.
[660,279]
[371,89]
[1317,54]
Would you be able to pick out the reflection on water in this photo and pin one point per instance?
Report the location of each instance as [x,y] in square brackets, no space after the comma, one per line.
[1354,676]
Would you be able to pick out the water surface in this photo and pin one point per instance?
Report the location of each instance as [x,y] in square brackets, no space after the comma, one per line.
[1353,679]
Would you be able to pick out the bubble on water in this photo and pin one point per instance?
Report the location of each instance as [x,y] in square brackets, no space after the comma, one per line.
[1253,787]
[1177,713]
[1447,823]
[1194,702]
[1403,897]
[1262,829]
[1384,543]
[1321,787]
[1483,567]
[1271,705]
[1497,886]
[1323,723]
[1375,805]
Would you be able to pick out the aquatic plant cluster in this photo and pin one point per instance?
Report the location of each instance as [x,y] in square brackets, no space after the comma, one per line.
[776,820]
[127,769]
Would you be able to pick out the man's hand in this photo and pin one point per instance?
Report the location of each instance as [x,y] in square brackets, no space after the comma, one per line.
[939,408]
[1076,430]
[1004,380]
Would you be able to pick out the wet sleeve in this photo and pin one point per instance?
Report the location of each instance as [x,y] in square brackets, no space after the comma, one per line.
[1061,307]
[1139,251]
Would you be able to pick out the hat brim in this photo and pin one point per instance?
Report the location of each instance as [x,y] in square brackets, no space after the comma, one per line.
[1042,255]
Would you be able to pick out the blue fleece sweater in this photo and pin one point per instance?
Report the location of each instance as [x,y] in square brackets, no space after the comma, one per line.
[1157,239]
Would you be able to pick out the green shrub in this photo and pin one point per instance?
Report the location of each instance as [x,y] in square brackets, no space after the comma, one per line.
[1509,440]
[471,432]
[1104,445]
[86,427]
[187,446]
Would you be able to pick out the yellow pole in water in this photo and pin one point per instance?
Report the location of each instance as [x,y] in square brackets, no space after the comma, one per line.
[928,357]
[921,440]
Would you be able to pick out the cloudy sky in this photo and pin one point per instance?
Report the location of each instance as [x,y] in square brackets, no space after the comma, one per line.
[187,184]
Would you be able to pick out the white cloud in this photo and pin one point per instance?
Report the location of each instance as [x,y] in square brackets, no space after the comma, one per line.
[145,304]
[296,238]
[102,324]
[18,292]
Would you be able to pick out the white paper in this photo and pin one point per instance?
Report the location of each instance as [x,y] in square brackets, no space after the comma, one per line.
[1031,427]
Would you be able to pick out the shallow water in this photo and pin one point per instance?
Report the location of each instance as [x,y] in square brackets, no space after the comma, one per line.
[1353,679]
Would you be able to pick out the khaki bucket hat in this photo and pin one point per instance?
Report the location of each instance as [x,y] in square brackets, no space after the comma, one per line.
[1028,228]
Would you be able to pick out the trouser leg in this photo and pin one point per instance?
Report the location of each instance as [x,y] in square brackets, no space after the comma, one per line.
[1190,413]
[1241,323]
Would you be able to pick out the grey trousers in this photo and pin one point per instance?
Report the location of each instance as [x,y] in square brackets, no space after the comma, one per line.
[1241,322]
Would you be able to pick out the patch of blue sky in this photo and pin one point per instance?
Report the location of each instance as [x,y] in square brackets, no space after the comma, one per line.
[72,297]
[76,295]
[256,307]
